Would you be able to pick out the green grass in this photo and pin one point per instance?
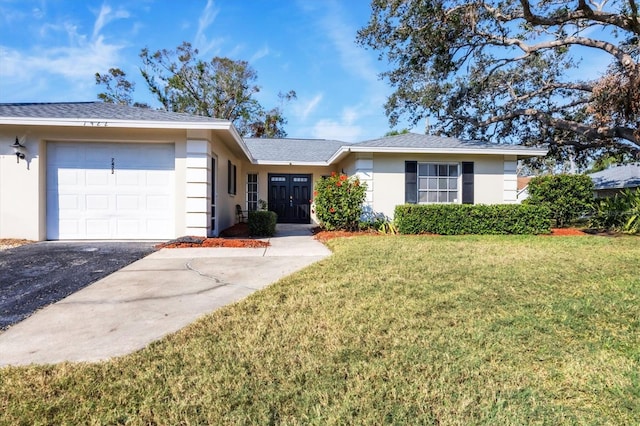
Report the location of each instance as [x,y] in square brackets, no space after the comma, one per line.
[419,330]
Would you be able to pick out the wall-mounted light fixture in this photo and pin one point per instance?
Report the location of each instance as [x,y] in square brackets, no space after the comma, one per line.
[19,149]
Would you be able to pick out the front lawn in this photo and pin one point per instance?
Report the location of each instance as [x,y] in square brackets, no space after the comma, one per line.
[404,329]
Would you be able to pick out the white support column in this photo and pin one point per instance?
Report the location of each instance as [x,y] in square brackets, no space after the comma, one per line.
[197,188]
[510,179]
[364,172]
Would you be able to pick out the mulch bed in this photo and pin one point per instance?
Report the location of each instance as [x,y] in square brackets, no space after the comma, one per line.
[323,235]
[6,243]
[561,232]
[236,236]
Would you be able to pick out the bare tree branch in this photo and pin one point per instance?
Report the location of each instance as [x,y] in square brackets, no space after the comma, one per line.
[627,23]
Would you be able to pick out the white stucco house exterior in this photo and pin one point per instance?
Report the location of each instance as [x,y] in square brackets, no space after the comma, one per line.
[102,171]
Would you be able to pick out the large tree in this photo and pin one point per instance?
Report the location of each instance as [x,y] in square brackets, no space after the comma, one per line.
[182,82]
[510,70]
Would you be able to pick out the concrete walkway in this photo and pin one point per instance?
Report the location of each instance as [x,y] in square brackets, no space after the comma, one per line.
[153,297]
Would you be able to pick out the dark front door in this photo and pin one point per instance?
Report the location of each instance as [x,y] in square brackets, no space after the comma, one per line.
[289,197]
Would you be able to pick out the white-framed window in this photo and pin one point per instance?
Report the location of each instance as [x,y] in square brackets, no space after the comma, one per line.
[438,182]
[252,191]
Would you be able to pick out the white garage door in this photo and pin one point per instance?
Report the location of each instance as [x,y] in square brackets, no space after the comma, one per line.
[110,191]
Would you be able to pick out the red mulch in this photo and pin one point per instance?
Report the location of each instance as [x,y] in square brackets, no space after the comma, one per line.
[236,236]
[561,232]
[322,235]
[216,242]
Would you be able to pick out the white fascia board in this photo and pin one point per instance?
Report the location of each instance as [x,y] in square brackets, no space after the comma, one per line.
[240,141]
[291,163]
[131,124]
[534,152]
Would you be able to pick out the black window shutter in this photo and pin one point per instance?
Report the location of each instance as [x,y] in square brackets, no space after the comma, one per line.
[229,173]
[411,182]
[467,182]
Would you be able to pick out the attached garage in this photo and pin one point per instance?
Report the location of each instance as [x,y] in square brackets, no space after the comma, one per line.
[110,190]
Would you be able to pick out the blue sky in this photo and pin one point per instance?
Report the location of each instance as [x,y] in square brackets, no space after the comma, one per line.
[51,49]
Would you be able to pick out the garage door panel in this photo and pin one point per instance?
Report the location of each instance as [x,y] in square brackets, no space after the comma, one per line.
[68,177]
[69,227]
[94,177]
[68,202]
[126,227]
[157,203]
[128,202]
[129,178]
[87,200]
[157,178]
[99,203]
[97,228]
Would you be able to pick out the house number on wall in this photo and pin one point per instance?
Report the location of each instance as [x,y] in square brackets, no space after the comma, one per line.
[113,165]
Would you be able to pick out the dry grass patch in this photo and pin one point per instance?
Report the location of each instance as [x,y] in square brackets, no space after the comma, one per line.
[446,330]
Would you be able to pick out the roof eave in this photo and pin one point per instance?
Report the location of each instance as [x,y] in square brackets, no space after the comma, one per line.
[291,163]
[114,123]
[530,152]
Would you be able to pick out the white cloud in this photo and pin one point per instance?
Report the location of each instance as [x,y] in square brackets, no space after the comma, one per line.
[344,129]
[329,129]
[303,108]
[105,16]
[260,54]
[62,68]
[354,59]
[364,117]
[207,17]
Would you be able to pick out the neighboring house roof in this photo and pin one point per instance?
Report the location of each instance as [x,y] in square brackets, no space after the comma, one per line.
[285,151]
[617,177]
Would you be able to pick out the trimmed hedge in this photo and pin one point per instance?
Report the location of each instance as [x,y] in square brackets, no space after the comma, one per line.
[457,219]
[262,223]
[567,196]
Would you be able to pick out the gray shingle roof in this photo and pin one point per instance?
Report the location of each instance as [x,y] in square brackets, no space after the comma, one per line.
[418,141]
[293,150]
[626,176]
[96,111]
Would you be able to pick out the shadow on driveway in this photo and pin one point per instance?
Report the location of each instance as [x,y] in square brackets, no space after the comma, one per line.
[35,275]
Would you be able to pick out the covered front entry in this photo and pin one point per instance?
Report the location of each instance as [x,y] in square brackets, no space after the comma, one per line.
[289,197]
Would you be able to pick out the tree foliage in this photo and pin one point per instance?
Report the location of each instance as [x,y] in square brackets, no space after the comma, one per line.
[182,82]
[567,197]
[119,90]
[339,202]
[510,69]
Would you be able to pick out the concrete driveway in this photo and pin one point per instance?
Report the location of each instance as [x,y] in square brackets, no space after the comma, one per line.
[153,297]
[36,275]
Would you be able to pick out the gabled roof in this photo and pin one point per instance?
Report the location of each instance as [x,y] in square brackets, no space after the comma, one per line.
[100,114]
[415,141]
[326,152]
[312,152]
[626,176]
[293,151]
[97,111]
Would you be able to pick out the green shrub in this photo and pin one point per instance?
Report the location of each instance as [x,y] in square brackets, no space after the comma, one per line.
[262,223]
[338,201]
[568,197]
[456,219]
[618,213]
